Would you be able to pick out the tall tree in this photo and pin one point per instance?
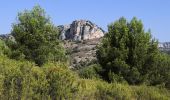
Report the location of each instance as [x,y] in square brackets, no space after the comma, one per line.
[36,37]
[127,52]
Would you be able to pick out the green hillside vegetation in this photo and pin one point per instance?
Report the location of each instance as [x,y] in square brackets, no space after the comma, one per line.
[21,80]
[35,65]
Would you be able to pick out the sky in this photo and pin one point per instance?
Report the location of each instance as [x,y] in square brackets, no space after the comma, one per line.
[155,14]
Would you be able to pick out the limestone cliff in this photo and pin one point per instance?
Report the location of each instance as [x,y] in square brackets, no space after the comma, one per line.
[80,30]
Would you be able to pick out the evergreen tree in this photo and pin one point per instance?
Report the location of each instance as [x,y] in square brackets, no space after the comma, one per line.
[36,37]
[127,52]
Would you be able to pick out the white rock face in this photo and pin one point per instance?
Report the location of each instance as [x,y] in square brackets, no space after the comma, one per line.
[165,46]
[7,37]
[80,30]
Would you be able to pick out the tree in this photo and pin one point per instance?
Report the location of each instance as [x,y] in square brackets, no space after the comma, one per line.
[36,37]
[127,52]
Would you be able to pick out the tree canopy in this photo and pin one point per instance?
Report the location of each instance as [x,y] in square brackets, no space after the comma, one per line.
[128,53]
[36,37]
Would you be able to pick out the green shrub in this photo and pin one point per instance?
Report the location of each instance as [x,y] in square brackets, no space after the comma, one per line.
[151,93]
[21,80]
[24,80]
[61,82]
[90,72]
[4,49]
[114,91]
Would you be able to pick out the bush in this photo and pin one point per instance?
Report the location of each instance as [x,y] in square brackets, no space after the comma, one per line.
[150,93]
[90,72]
[61,82]
[24,80]
[101,90]
[4,49]
[114,91]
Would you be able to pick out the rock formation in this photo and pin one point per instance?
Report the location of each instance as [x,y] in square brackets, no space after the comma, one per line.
[80,30]
[82,53]
[165,46]
[7,37]
[84,36]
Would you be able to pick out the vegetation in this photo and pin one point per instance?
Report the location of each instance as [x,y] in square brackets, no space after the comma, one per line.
[36,38]
[54,81]
[129,54]
[90,72]
[4,49]
[129,65]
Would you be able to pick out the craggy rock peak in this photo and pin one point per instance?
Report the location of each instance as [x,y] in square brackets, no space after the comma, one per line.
[80,30]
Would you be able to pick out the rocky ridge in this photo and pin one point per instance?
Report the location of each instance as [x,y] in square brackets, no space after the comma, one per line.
[80,30]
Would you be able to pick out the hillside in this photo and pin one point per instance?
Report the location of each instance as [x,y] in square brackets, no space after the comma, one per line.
[82,53]
[80,40]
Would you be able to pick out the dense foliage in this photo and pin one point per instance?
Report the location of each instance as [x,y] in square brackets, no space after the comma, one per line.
[129,54]
[21,80]
[36,38]
[4,49]
[27,81]
[90,72]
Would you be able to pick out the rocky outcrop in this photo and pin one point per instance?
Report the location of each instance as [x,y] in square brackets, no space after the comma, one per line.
[7,37]
[165,46]
[82,53]
[80,30]
[84,36]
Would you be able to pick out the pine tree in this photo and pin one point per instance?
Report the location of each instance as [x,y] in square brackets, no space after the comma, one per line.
[36,37]
[127,52]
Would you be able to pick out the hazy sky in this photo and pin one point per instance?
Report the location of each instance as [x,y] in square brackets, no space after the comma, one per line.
[155,14]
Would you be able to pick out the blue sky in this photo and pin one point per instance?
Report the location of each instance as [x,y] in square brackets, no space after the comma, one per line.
[155,14]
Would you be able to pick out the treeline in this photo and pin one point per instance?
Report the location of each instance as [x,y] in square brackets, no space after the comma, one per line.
[34,65]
